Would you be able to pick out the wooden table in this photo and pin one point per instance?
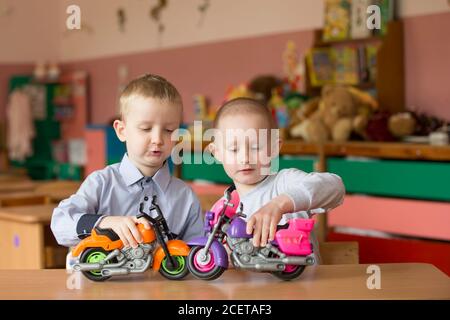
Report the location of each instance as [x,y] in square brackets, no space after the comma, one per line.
[17,186]
[26,241]
[29,189]
[57,190]
[398,281]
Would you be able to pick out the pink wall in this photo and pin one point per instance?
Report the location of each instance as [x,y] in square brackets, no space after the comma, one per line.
[208,69]
[427,64]
[211,68]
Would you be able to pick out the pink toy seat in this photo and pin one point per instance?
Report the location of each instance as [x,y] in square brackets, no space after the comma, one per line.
[301,224]
[295,239]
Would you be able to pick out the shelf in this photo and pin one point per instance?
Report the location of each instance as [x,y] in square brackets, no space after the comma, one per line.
[362,86]
[320,43]
[383,150]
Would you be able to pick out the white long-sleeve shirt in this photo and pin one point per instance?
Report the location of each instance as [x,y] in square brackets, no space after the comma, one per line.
[307,191]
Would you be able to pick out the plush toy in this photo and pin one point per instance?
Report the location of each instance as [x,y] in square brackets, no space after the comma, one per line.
[402,124]
[378,128]
[335,115]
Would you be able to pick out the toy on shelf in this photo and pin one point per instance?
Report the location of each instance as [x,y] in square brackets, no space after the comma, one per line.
[335,115]
[279,112]
[202,112]
[200,107]
[337,20]
[293,68]
[103,255]
[285,257]
[240,91]
[262,86]
[410,126]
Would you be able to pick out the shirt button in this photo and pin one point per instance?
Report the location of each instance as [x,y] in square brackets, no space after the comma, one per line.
[145,198]
[148,180]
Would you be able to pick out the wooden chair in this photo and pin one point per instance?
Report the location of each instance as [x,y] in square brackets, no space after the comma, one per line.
[339,252]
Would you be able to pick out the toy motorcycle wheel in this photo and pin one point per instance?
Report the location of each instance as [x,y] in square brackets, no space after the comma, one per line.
[94,255]
[290,272]
[202,270]
[177,272]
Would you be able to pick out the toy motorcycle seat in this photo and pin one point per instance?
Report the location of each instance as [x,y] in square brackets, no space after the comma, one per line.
[107,232]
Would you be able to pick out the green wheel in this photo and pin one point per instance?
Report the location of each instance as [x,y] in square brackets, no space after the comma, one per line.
[177,272]
[94,255]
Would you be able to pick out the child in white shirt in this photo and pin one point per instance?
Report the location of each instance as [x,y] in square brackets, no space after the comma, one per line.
[246,143]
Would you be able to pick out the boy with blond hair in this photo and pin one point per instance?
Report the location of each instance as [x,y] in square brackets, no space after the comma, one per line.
[151,109]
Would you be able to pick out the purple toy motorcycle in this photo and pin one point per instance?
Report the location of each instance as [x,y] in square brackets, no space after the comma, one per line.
[285,257]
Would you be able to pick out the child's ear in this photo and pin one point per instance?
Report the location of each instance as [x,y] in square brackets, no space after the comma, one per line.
[119,127]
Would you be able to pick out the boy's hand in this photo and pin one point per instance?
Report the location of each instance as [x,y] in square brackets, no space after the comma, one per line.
[125,227]
[263,223]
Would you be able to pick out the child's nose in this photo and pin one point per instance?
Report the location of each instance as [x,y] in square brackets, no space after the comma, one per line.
[244,156]
[156,137]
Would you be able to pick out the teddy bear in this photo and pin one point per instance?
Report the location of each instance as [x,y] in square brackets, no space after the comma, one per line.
[335,115]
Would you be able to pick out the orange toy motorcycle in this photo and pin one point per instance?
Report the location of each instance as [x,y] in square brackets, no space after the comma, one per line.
[103,255]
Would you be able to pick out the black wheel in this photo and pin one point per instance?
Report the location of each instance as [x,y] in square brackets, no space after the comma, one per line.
[94,255]
[290,273]
[208,271]
[177,272]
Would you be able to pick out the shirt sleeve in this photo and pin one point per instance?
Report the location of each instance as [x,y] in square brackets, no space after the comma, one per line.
[311,190]
[194,223]
[76,216]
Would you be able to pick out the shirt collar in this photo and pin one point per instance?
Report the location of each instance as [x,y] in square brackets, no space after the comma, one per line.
[162,177]
[131,174]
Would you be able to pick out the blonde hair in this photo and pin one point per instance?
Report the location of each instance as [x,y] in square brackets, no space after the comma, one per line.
[148,86]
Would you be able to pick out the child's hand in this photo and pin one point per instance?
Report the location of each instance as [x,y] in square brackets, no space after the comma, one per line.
[263,223]
[125,227]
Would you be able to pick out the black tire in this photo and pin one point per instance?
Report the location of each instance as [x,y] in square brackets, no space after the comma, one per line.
[286,276]
[213,274]
[174,274]
[94,275]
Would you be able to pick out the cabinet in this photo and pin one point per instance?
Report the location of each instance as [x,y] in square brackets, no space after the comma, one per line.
[398,197]
[387,83]
[54,128]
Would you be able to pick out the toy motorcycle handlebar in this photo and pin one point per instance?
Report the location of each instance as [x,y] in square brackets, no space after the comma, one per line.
[143,214]
[227,196]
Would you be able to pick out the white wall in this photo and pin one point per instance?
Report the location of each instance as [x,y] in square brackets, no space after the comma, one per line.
[36,29]
[225,19]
